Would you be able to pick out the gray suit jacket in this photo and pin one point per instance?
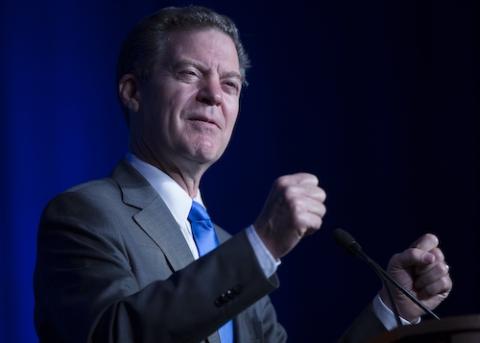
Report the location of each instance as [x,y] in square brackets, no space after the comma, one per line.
[113,266]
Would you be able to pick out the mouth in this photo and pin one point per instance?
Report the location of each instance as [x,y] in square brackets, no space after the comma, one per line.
[204,121]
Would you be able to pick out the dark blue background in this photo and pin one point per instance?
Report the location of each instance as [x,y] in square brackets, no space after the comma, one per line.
[378,98]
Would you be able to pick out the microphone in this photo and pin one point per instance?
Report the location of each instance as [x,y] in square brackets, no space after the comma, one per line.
[346,241]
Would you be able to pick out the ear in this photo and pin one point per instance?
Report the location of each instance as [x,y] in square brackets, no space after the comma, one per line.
[128,91]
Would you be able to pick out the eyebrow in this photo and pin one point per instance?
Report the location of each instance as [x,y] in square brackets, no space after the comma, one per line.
[233,74]
[198,65]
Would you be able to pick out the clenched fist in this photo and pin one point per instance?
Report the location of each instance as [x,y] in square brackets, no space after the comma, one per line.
[422,270]
[294,208]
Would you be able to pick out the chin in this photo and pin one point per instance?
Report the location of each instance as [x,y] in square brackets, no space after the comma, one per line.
[206,157]
[207,151]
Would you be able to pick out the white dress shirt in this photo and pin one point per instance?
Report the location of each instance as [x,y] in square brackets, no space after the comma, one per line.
[179,203]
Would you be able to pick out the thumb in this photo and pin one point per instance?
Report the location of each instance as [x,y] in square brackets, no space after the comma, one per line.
[412,257]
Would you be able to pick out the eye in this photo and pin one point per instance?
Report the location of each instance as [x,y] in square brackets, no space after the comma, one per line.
[231,86]
[188,74]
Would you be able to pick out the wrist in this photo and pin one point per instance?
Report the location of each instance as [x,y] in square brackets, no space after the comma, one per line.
[264,233]
[403,311]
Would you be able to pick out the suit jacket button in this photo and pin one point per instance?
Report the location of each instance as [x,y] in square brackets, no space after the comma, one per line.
[230,294]
[221,300]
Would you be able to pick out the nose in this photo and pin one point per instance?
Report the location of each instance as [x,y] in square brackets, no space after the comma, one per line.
[210,92]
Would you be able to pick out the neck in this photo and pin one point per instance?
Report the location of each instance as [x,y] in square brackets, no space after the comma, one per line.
[187,178]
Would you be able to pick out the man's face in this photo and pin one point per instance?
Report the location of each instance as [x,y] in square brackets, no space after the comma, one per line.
[188,107]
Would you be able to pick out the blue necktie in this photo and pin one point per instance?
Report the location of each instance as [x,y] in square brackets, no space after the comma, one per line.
[206,240]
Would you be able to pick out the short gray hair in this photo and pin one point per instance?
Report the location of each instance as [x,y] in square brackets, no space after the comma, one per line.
[144,43]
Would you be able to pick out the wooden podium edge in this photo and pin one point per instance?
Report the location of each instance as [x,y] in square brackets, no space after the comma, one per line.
[447,325]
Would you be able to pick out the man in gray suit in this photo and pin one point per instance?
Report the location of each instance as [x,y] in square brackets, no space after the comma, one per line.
[122,259]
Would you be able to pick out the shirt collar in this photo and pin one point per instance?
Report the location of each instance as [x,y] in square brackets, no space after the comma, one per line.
[177,200]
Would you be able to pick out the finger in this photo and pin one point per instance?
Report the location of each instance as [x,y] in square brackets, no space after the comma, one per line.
[305,190]
[298,178]
[427,242]
[412,257]
[439,257]
[311,191]
[299,199]
[308,222]
[438,271]
[307,179]
[308,205]
[319,210]
[317,193]
[441,286]
[438,254]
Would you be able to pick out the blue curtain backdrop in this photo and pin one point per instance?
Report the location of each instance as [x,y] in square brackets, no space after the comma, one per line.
[378,98]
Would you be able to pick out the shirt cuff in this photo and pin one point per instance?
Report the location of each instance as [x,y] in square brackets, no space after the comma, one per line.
[267,262]
[386,316]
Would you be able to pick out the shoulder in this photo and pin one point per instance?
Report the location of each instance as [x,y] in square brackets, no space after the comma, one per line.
[92,193]
[90,204]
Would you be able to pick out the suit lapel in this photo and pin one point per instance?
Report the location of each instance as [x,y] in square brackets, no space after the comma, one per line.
[158,223]
[153,217]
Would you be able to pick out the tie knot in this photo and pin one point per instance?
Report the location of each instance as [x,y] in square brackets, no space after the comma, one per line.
[198,212]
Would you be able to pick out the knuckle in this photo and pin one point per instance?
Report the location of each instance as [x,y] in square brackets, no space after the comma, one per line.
[443,268]
[281,182]
[449,281]
[314,178]
[315,223]
[289,194]
[323,195]
[444,283]
[438,254]
[394,260]
[411,253]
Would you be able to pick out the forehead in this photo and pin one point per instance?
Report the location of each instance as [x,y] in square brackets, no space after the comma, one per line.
[210,47]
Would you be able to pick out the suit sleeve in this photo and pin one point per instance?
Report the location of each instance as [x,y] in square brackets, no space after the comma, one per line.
[273,332]
[85,290]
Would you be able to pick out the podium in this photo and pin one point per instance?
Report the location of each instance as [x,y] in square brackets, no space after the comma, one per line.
[462,329]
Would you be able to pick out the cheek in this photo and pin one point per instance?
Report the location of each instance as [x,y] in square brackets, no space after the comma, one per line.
[180,102]
[231,112]
[166,116]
